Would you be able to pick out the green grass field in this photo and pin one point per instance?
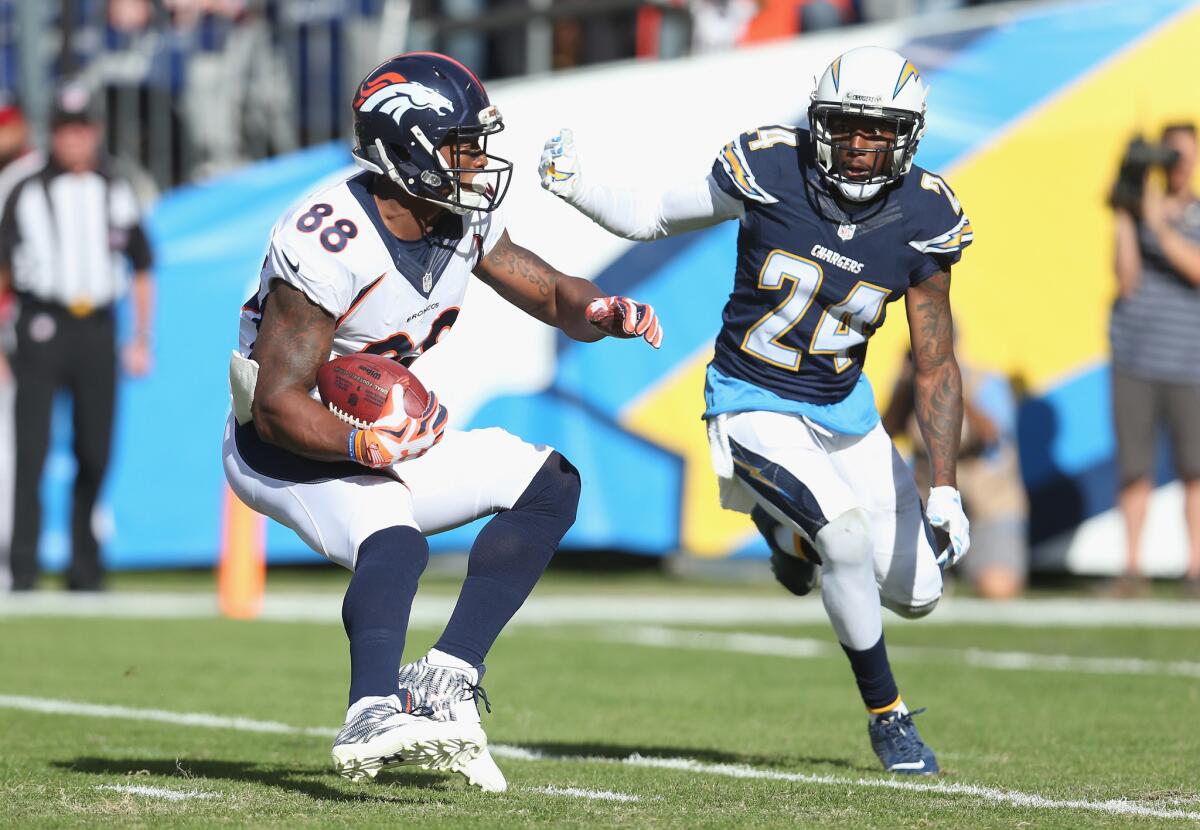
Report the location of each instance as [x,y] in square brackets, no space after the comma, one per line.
[664,725]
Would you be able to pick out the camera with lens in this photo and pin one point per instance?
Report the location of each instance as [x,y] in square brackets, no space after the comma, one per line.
[1140,156]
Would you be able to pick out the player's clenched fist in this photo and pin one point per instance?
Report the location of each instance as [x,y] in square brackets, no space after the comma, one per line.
[623,317]
[398,437]
[559,165]
[945,513]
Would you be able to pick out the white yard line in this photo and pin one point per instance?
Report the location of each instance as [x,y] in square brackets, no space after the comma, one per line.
[157,792]
[576,792]
[691,765]
[51,706]
[650,609]
[993,794]
[802,647]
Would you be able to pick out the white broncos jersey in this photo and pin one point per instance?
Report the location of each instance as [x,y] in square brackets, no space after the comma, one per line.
[390,297]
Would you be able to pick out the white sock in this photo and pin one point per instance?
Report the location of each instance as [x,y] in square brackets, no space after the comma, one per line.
[441,658]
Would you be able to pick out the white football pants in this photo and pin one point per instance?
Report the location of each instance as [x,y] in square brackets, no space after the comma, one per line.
[467,475]
[811,479]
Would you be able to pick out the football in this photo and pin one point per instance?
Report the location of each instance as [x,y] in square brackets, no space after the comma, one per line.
[357,388]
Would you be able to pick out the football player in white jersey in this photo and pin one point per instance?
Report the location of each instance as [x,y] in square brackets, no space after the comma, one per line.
[379,263]
[835,223]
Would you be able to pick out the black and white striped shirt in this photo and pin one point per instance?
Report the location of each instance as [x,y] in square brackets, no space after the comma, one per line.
[72,238]
[1155,332]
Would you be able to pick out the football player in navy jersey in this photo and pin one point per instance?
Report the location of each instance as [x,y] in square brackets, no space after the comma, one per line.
[836,223]
[379,263]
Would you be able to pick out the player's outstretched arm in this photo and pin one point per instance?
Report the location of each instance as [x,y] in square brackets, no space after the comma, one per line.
[568,303]
[633,214]
[938,402]
[294,340]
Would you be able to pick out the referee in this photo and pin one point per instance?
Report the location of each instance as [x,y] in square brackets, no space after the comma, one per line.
[70,235]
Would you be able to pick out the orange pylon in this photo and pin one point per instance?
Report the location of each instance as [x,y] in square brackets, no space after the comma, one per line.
[242,571]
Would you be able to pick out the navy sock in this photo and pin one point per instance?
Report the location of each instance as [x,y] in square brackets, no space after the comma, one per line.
[873,674]
[375,610]
[508,558]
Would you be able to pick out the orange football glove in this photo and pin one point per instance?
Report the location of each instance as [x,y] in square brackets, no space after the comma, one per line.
[623,317]
[396,437]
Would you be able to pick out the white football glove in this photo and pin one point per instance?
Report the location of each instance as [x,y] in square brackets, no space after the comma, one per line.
[396,437]
[559,166]
[945,513]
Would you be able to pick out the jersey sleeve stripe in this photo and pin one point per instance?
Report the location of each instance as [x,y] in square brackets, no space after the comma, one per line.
[362,295]
[739,172]
[955,239]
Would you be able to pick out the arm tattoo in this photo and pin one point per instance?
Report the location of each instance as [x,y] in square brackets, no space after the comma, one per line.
[294,339]
[937,383]
[521,277]
[528,282]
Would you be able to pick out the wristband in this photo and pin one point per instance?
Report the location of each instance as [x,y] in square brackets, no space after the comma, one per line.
[351,442]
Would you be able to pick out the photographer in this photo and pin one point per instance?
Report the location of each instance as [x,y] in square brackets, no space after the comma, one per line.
[1155,335]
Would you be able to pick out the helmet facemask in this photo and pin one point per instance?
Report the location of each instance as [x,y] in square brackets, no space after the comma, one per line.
[834,150]
[424,172]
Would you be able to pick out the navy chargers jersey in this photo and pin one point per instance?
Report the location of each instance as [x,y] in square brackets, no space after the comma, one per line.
[813,281]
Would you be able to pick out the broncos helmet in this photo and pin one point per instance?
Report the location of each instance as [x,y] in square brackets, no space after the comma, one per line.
[409,107]
[875,83]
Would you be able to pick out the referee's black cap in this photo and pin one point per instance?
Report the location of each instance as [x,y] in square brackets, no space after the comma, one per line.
[72,105]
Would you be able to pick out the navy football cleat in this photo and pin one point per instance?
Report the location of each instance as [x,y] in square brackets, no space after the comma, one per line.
[900,749]
[797,575]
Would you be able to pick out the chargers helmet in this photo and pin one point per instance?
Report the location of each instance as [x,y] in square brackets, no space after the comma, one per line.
[410,106]
[876,83]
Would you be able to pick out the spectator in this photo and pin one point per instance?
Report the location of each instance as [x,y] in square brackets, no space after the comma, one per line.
[596,36]
[989,477]
[137,76]
[718,25]
[873,11]
[1155,338]
[778,19]
[237,95]
[67,274]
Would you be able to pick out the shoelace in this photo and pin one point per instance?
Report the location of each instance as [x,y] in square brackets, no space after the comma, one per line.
[422,705]
[477,692]
[903,737]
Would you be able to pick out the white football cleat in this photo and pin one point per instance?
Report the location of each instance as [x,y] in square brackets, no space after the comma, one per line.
[450,693]
[482,772]
[382,731]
